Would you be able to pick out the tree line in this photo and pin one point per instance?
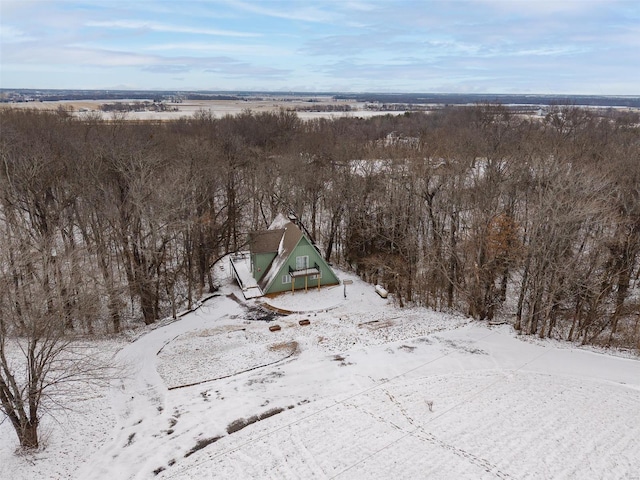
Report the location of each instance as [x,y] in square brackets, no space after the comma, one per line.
[106,223]
[471,209]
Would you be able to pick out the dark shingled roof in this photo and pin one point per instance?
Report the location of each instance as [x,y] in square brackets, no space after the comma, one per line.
[265,241]
[281,238]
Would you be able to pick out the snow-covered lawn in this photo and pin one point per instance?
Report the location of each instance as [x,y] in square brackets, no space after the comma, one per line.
[364,391]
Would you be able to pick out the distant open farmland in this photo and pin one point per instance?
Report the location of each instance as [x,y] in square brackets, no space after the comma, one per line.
[218,108]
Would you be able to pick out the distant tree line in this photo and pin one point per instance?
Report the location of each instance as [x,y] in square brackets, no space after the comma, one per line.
[401,107]
[137,107]
[76,95]
[210,96]
[322,107]
[468,209]
[630,101]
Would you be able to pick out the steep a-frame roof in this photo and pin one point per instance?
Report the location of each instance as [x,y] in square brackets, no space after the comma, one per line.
[266,241]
[281,238]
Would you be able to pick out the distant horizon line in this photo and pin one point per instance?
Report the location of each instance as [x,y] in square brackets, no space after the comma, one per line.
[311,92]
[28,95]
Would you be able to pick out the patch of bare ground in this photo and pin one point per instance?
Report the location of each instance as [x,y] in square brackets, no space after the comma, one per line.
[201,444]
[241,423]
[290,348]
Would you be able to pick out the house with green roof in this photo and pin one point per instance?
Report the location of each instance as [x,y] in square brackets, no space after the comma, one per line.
[283,258]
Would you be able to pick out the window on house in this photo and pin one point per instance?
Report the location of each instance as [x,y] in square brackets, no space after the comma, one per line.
[286,279]
[302,262]
[313,277]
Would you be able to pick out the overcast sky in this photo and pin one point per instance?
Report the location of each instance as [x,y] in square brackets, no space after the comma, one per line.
[483,46]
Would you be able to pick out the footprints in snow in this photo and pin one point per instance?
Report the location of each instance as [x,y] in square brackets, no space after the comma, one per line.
[466,347]
[419,432]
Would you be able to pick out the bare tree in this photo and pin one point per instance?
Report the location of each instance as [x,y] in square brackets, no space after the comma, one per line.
[38,357]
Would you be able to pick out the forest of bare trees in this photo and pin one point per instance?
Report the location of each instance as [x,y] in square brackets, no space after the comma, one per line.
[105,223]
[459,209]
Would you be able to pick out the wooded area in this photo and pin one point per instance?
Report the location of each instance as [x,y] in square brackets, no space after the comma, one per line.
[472,209]
[477,210]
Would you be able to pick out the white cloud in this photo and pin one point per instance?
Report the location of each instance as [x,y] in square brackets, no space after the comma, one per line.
[259,50]
[9,34]
[357,6]
[545,7]
[532,45]
[275,9]
[161,27]
[74,55]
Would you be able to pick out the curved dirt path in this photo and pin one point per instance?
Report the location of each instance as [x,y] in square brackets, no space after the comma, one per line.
[139,399]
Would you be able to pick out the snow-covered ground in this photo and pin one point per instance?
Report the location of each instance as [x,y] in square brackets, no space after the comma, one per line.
[215,108]
[364,391]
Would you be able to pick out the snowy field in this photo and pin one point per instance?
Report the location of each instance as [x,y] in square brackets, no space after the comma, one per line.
[365,391]
[216,108]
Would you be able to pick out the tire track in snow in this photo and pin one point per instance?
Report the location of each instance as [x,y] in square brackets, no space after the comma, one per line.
[465,400]
[343,401]
[140,404]
[308,459]
[420,433]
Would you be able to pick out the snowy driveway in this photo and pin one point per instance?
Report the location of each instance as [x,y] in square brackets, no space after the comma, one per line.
[377,393]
